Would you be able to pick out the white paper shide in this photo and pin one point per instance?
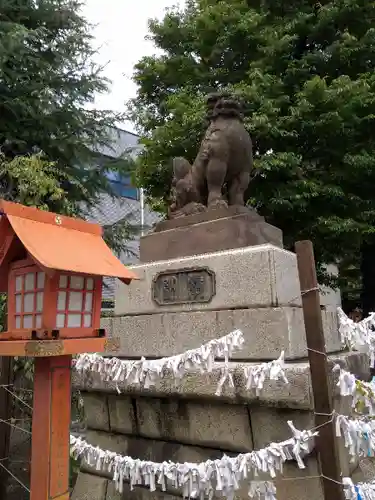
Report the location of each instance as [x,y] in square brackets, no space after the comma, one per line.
[224,475]
[147,373]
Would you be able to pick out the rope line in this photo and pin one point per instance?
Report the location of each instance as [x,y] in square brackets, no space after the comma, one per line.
[15,478]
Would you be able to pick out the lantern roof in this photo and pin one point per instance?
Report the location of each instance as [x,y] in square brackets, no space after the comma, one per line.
[57,242]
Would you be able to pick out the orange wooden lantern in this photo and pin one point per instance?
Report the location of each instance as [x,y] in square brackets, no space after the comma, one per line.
[67,304]
[52,268]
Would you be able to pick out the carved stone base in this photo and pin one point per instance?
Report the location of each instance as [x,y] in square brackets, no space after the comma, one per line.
[190,209]
[206,232]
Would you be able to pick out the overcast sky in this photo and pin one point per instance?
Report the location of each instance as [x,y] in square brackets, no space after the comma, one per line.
[121,27]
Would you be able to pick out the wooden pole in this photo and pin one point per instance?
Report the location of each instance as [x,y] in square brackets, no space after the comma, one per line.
[326,445]
[5,415]
[51,429]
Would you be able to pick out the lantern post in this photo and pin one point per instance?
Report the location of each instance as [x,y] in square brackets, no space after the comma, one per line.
[52,268]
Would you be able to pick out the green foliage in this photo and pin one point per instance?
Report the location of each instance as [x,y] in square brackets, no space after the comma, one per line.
[48,81]
[305,72]
[33,181]
[118,234]
[49,129]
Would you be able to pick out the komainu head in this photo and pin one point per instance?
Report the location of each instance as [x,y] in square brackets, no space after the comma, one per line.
[224,104]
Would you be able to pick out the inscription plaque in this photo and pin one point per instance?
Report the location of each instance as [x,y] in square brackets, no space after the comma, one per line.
[184,286]
[44,348]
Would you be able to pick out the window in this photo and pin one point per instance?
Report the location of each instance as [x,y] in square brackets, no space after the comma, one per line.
[29,296]
[122,186]
[75,302]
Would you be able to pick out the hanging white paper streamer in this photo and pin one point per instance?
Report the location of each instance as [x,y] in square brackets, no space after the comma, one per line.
[360,491]
[363,393]
[262,490]
[358,434]
[358,336]
[147,373]
[349,490]
[256,375]
[223,475]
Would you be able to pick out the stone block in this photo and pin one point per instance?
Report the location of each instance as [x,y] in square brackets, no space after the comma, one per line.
[260,276]
[310,489]
[167,334]
[202,386]
[296,394]
[137,493]
[331,330]
[367,466]
[267,332]
[295,483]
[106,323]
[96,410]
[121,414]
[223,426]
[354,362]
[271,424]
[330,298]
[89,487]
[105,441]
[209,231]
[113,494]
[306,488]
[159,451]
[149,449]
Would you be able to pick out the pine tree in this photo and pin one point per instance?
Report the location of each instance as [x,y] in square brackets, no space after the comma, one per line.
[48,81]
[305,71]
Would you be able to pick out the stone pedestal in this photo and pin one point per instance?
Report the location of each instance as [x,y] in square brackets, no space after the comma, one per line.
[220,229]
[255,289]
[182,301]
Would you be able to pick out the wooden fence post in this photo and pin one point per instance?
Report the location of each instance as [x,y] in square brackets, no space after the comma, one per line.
[326,445]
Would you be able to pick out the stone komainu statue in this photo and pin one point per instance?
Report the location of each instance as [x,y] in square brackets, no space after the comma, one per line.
[221,171]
